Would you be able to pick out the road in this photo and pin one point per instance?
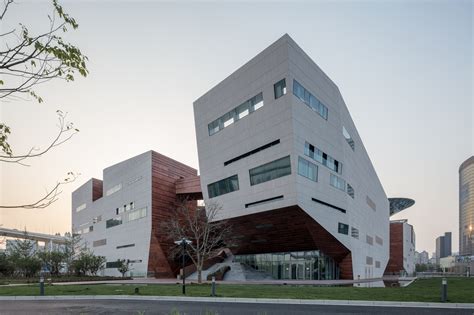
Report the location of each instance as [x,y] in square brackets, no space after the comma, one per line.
[201,308]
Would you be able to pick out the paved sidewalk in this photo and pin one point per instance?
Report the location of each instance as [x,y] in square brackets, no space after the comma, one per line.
[240,300]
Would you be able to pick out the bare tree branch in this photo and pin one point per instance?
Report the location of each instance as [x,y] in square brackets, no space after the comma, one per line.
[66,132]
[202,227]
[50,197]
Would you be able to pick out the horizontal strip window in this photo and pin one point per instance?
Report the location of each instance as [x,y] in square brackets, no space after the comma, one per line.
[307,169]
[137,214]
[343,228]
[310,100]
[236,114]
[124,208]
[113,222]
[125,246]
[81,207]
[328,204]
[113,190]
[113,264]
[323,158]
[270,171]
[337,182]
[242,156]
[224,186]
[98,243]
[348,138]
[263,201]
[279,88]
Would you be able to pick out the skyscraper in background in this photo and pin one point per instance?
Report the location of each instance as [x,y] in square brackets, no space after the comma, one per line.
[443,246]
[466,207]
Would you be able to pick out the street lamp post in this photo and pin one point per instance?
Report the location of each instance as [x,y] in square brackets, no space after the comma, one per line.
[183,242]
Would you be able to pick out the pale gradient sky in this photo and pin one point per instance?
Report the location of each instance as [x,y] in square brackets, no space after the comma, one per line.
[403,68]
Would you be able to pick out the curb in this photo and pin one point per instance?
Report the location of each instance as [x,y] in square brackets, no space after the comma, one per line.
[241,300]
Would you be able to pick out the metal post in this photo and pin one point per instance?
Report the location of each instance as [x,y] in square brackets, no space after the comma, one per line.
[184,275]
[444,290]
[41,284]
[213,287]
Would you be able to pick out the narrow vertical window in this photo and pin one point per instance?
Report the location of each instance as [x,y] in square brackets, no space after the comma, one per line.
[279,88]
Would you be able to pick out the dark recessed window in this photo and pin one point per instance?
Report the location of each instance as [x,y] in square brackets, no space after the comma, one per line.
[279,88]
[350,190]
[343,228]
[322,157]
[223,186]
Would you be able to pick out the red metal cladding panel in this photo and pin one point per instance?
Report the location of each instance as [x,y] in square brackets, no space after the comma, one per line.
[165,173]
[284,230]
[395,263]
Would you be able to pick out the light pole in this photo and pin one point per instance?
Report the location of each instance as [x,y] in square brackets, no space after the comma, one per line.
[183,242]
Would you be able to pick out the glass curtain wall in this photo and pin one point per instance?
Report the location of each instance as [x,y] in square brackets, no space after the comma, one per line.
[308,265]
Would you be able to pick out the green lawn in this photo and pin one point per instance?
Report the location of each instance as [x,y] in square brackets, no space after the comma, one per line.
[460,290]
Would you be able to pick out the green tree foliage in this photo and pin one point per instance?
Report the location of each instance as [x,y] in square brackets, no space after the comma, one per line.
[23,256]
[6,266]
[27,59]
[88,263]
[123,266]
[53,260]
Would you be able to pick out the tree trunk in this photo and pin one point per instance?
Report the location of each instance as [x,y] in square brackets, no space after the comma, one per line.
[199,274]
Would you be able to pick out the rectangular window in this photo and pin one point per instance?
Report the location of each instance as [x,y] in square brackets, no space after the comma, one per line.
[369,239]
[224,186]
[370,203]
[97,219]
[112,264]
[348,138]
[343,228]
[377,264]
[137,214]
[98,243]
[369,260]
[307,169]
[323,158]
[113,189]
[113,222]
[378,240]
[310,100]
[81,207]
[354,232]
[279,88]
[350,190]
[235,114]
[338,182]
[270,171]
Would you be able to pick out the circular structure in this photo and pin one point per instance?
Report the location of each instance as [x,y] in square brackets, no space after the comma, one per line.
[399,204]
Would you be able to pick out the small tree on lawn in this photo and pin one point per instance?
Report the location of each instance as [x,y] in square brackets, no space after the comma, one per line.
[123,266]
[22,254]
[202,226]
[88,263]
[53,260]
[72,250]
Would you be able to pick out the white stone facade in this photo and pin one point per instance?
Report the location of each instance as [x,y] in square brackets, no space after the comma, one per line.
[292,122]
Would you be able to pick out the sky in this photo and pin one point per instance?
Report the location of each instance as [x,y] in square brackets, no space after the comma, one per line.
[404,70]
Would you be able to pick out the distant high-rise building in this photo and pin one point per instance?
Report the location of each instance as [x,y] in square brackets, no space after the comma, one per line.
[443,246]
[466,207]
[422,258]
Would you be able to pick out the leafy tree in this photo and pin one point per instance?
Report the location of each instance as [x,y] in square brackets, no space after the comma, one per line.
[201,226]
[123,266]
[6,266]
[22,254]
[88,263]
[28,59]
[53,260]
[72,250]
